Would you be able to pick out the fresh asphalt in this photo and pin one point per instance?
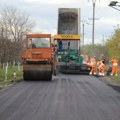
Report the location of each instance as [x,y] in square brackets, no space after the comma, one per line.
[66,97]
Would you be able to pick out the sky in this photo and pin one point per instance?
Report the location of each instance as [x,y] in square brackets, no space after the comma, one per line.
[45,15]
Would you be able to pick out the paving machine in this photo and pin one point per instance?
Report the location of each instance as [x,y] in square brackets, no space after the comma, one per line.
[70,60]
[37,57]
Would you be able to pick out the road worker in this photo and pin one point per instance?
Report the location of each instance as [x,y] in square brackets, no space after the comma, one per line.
[88,62]
[60,45]
[93,66]
[98,64]
[109,70]
[101,68]
[114,67]
[69,45]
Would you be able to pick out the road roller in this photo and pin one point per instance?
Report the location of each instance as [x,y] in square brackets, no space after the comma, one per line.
[37,57]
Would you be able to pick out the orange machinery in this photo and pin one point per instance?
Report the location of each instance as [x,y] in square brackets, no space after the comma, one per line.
[37,57]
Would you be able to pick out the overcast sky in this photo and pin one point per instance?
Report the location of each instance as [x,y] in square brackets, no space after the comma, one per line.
[45,15]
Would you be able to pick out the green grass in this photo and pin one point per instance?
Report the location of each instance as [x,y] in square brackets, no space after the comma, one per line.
[116,78]
[4,81]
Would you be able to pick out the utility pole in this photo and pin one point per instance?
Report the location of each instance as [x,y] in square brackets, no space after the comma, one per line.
[93,29]
[83,32]
[93,20]
[103,40]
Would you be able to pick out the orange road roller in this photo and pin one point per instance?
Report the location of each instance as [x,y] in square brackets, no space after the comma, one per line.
[37,57]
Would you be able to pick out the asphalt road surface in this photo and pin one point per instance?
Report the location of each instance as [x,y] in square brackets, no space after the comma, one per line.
[66,97]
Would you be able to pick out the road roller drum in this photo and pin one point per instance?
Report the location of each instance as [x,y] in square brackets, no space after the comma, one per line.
[37,72]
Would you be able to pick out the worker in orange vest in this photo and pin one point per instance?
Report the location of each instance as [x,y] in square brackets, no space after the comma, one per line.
[114,67]
[98,67]
[101,68]
[88,61]
[93,66]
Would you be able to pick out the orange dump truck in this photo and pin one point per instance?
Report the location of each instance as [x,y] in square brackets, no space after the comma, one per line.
[37,57]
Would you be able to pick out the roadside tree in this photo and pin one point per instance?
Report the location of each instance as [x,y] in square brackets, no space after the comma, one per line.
[113,45]
[14,24]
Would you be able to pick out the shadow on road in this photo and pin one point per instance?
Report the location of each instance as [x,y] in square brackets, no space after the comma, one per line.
[110,82]
[115,87]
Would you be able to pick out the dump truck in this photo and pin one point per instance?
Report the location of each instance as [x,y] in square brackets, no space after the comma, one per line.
[37,57]
[68,55]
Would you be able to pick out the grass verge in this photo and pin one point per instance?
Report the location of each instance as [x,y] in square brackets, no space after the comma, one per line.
[8,79]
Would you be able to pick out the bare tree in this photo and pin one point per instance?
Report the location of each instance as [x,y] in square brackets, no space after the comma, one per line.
[15,23]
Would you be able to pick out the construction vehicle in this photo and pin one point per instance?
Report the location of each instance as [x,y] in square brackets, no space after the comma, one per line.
[71,60]
[68,55]
[37,57]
